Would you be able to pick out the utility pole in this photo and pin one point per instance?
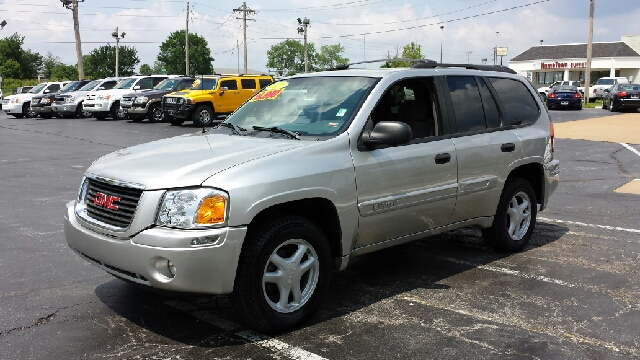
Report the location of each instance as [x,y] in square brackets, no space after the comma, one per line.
[495,50]
[73,5]
[186,43]
[441,40]
[587,74]
[244,10]
[468,59]
[302,29]
[117,36]
[238,51]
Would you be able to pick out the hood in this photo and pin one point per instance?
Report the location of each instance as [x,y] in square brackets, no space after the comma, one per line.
[22,97]
[148,93]
[186,160]
[75,93]
[189,92]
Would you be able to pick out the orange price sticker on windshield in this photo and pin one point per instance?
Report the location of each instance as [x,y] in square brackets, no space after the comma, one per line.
[271,92]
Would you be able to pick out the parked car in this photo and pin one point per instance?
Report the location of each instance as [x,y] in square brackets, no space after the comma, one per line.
[564,96]
[267,204]
[622,96]
[605,83]
[148,104]
[104,103]
[41,104]
[22,90]
[19,105]
[211,96]
[72,103]
[544,91]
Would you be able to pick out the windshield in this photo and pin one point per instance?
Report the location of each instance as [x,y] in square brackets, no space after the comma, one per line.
[37,88]
[315,106]
[204,84]
[166,84]
[125,83]
[70,87]
[90,86]
[605,82]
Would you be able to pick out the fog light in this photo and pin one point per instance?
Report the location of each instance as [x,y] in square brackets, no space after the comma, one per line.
[172,268]
[204,240]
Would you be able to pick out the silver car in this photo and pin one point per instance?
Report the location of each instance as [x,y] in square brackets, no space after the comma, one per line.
[267,204]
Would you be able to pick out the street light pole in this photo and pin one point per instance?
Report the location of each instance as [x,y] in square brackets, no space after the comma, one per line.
[441,39]
[495,50]
[468,60]
[303,30]
[117,36]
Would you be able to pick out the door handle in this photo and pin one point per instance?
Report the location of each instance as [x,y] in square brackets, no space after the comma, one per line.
[443,158]
[508,147]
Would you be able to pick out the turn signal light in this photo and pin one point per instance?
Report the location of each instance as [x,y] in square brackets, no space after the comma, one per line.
[211,211]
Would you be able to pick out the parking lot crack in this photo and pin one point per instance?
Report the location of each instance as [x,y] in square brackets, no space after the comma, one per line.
[41,321]
[620,166]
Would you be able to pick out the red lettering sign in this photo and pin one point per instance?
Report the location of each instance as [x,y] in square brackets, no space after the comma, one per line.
[105,200]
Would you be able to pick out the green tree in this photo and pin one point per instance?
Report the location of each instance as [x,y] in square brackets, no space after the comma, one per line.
[330,56]
[11,49]
[64,72]
[101,62]
[409,51]
[49,62]
[145,69]
[30,64]
[287,57]
[10,69]
[172,54]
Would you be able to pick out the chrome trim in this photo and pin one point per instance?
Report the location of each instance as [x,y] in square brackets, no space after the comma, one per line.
[477,185]
[116,182]
[397,198]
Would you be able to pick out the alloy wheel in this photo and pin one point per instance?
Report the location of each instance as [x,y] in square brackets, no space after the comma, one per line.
[519,216]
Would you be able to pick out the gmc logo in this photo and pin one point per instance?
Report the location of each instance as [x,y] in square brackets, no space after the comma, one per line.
[105,200]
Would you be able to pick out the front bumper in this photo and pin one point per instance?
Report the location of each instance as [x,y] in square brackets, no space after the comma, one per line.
[136,109]
[64,108]
[179,111]
[143,257]
[96,106]
[551,180]
[12,108]
[42,109]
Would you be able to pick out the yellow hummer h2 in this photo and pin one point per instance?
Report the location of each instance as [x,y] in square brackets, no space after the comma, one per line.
[210,96]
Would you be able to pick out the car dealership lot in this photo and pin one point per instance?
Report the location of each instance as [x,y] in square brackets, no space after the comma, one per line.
[573,292]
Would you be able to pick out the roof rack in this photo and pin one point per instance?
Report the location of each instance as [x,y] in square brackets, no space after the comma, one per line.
[346,66]
[498,68]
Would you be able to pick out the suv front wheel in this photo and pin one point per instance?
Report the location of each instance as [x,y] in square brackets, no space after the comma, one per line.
[282,275]
[203,115]
[515,217]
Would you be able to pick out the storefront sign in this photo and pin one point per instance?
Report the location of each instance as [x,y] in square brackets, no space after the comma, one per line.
[560,65]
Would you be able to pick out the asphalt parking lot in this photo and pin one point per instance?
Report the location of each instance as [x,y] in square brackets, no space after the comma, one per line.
[573,293]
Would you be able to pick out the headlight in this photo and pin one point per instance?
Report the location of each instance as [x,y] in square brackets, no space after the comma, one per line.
[69,99]
[141,100]
[15,101]
[104,97]
[193,208]
[46,100]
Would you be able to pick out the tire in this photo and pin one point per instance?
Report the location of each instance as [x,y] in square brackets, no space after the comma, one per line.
[612,107]
[515,217]
[293,241]
[81,113]
[100,116]
[175,122]
[604,107]
[155,113]
[203,115]
[116,112]
[27,112]
[579,107]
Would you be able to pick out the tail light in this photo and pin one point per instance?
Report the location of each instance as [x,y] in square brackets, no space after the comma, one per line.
[577,95]
[594,91]
[552,95]
[622,94]
[552,135]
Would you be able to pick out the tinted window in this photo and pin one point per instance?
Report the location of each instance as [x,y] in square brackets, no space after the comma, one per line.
[185,84]
[248,83]
[519,105]
[146,83]
[230,84]
[491,112]
[157,80]
[53,88]
[467,104]
[264,82]
[109,84]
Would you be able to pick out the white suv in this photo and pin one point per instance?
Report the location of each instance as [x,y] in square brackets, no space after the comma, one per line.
[104,103]
[19,105]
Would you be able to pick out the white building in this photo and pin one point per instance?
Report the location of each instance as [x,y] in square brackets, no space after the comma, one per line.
[545,64]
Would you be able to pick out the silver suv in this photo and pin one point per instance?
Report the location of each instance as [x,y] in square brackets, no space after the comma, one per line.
[316,169]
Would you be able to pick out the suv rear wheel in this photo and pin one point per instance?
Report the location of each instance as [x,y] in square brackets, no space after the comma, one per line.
[515,217]
[283,272]
[203,115]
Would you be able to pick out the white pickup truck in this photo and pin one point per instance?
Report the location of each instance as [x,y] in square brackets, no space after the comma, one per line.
[605,83]
[544,91]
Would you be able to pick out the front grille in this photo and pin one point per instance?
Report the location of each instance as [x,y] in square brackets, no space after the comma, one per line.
[126,206]
[127,101]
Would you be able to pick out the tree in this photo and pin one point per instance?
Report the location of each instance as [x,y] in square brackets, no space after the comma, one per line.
[11,69]
[64,72]
[409,51]
[49,62]
[30,64]
[287,57]
[159,67]
[172,54]
[330,56]
[145,69]
[11,49]
[101,62]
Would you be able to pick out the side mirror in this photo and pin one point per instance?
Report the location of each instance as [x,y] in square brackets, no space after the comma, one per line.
[137,87]
[46,91]
[223,89]
[387,133]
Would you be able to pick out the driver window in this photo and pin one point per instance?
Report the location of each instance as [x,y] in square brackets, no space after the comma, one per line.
[412,101]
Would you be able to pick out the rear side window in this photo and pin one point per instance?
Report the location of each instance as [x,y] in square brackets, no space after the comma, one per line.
[467,104]
[519,105]
[157,80]
[264,82]
[229,84]
[53,87]
[185,84]
[108,84]
[146,83]
[491,112]
[248,83]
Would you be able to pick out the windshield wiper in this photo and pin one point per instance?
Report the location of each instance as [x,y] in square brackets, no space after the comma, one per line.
[278,130]
[236,129]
